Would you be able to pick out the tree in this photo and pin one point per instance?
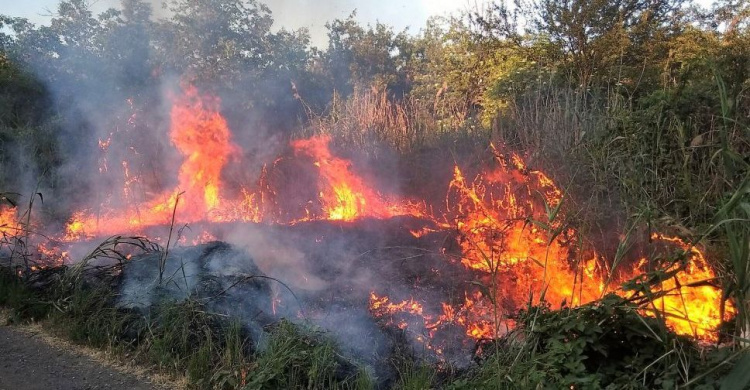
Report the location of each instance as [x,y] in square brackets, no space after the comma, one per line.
[215,41]
[373,57]
[601,36]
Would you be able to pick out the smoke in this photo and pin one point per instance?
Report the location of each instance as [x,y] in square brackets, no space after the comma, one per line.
[123,164]
[318,275]
[318,283]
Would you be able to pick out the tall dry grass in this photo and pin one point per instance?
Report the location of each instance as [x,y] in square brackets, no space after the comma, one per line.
[371,118]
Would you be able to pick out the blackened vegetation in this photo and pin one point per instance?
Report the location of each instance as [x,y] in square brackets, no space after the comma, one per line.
[330,289]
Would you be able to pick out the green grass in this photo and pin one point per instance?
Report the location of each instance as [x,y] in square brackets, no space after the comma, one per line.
[605,344]
[293,358]
[415,376]
[25,303]
[182,338]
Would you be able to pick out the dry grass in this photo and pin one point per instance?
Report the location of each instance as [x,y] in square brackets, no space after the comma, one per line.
[370,119]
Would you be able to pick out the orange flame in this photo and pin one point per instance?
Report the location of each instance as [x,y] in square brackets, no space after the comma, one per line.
[507,221]
[344,195]
[201,134]
[508,230]
[8,221]
[690,300]
[504,233]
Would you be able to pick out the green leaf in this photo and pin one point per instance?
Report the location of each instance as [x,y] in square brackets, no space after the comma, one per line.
[739,377]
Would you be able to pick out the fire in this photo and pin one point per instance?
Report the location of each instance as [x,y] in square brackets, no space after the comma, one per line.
[50,255]
[383,304]
[202,136]
[8,222]
[406,314]
[507,221]
[37,255]
[200,133]
[504,232]
[419,233]
[345,196]
[480,319]
[510,231]
[690,300]
[469,314]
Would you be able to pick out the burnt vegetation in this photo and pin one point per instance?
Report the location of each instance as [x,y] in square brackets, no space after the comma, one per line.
[506,191]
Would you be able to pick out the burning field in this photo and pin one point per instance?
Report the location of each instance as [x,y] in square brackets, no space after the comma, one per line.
[311,236]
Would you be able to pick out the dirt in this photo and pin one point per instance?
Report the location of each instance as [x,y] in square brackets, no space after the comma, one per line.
[30,360]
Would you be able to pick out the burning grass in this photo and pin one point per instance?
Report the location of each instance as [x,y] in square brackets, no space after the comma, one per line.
[445,278]
[508,221]
[603,343]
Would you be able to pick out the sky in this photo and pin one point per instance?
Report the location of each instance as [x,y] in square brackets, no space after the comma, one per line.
[312,14]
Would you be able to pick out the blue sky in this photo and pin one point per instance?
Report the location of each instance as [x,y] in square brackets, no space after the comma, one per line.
[312,14]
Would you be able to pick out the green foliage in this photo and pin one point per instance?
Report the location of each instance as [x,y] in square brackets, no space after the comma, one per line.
[604,39]
[216,39]
[372,57]
[292,359]
[415,376]
[606,344]
[27,127]
[734,220]
[181,337]
[452,70]
[24,303]
[739,377]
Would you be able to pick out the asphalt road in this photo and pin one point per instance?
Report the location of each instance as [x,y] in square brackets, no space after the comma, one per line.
[29,363]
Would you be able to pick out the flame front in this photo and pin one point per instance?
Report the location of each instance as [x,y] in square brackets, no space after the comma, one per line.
[690,300]
[510,230]
[202,136]
[507,221]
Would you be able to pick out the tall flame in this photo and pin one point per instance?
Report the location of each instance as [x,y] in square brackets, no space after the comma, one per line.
[507,221]
[202,136]
[200,133]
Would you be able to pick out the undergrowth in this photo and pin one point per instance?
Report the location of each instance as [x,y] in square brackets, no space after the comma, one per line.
[605,344]
[181,338]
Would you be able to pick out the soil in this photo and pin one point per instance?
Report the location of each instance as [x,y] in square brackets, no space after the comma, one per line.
[31,360]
